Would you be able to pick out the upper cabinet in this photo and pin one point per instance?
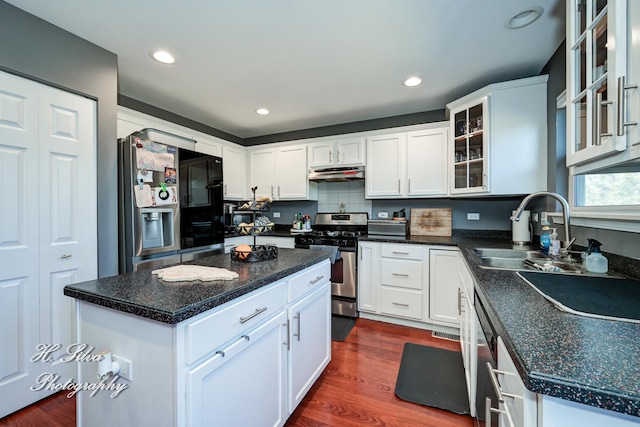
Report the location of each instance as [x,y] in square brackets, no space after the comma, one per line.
[407,164]
[234,172]
[603,73]
[345,152]
[499,139]
[281,173]
[469,148]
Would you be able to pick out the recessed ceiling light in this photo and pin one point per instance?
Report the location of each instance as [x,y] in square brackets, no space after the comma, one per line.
[262,111]
[412,81]
[163,56]
[524,18]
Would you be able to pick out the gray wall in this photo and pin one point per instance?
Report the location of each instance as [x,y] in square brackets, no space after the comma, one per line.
[35,49]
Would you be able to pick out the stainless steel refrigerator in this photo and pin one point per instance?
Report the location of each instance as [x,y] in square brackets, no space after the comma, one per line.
[170,201]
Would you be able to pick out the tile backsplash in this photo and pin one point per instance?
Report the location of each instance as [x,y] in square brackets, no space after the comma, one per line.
[350,193]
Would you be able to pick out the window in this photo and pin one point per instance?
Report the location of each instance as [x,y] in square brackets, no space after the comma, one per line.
[607,189]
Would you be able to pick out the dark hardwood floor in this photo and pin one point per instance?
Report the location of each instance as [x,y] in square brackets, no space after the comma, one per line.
[356,389]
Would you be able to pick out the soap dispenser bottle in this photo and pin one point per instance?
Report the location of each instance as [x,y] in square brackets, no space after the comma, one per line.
[545,238]
[554,245]
[595,262]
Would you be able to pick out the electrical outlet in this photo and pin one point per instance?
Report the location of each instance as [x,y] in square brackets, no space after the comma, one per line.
[383,214]
[534,217]
[276,214]
[126,368]
[473,216]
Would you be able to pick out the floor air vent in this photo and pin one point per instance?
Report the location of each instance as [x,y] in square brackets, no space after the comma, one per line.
[445,336]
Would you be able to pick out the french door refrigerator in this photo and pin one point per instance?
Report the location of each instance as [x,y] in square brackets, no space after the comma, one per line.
[170,201]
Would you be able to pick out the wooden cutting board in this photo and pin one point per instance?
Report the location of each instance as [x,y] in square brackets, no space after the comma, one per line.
[430,222]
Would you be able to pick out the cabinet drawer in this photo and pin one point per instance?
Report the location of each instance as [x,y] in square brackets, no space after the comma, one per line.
[402,273]
[401,251]
[208,333]
[401,302]
[309,279]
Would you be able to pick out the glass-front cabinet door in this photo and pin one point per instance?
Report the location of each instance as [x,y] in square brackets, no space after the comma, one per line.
[469,128]
[597,86]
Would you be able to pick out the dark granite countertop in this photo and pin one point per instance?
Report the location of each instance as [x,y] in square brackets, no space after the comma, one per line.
[577,358]
[143,294]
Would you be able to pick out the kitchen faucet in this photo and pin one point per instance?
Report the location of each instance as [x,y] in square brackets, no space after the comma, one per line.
[565,212]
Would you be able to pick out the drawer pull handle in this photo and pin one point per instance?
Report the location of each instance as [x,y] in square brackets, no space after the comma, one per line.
[400,253]
[220,352]
[317,279]
[246,337]
[65,256]
[252,315]
[400,304]
[288,343]
[494,381]
[400,274]
[297,316]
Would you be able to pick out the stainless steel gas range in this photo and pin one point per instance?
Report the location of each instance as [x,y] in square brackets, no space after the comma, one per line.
[339,230]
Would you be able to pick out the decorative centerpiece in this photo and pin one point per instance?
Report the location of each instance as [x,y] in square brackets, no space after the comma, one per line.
[254,253]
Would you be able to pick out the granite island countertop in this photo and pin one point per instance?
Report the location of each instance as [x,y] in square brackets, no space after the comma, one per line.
[144,294]
[581,359]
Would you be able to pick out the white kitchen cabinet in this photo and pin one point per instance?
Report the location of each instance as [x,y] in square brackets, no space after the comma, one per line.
[499,139]
[368,276]
[603,71]
[278,241]
[310,341]
[468,334]
[519,403]
[343,152]
[444,285]
[262,172]
[48,232]
[207,145]
[404,276]
[265,349]
[427,172]
[281,173]
[416,283]
[291,173]
[250,369]
[408,164]
[234,172]
[384,156]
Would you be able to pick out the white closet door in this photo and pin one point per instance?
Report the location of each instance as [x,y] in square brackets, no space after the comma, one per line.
[68,213]
[19,253]
[47,228]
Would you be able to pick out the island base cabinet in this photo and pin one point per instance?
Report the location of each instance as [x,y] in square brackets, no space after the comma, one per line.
[148,345]
[243,384]
[310,335]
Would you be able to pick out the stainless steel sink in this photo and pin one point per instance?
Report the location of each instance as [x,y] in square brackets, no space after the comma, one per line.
[517,259]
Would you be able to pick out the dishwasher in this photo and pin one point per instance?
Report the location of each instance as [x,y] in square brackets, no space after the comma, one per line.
[487,352]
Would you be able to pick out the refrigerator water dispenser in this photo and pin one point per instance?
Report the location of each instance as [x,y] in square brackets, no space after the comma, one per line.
[157,228]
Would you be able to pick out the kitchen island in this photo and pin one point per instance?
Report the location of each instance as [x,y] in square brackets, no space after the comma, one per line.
[201,353]
[576,363]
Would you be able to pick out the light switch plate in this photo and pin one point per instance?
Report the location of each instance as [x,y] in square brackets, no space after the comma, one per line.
[276,214]
[473,216]
[383,214]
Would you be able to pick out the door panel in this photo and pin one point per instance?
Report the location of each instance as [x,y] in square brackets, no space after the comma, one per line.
[48,227]
[19,254]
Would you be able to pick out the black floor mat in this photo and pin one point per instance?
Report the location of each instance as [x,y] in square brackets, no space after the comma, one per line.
[341,327]
[432,377]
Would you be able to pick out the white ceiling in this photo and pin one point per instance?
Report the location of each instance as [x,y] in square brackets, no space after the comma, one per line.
[312,63]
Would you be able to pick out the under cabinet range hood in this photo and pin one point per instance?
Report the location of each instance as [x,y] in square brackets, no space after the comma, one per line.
[337,174]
